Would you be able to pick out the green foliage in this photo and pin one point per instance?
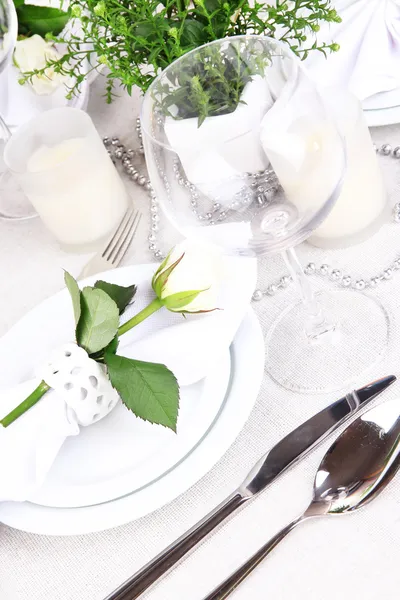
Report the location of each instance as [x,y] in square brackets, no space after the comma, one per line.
[111,348]
[149,390]
[121,295]
[95,316]
[212,85]
[99,320]
[75,294]
[40,19]
[135,40]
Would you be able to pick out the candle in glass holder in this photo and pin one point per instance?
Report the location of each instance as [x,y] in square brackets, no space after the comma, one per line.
[362,206]
[66,173]
[305,157]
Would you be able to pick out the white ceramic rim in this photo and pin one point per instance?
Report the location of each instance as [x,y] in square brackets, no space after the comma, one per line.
[247,355]
[382,117]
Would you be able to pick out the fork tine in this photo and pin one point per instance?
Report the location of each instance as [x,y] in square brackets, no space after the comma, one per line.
[114,239]
[125,231]
[126,243]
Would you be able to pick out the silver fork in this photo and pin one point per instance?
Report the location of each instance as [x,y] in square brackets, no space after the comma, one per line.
[116,247]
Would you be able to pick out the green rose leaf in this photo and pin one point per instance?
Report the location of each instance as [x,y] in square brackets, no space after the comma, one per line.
[98,323]
[149,390]
[75,293]
[112,347]
[121,295]
[41,19]
[18,3]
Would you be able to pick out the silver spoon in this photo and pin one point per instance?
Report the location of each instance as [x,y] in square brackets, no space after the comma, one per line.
[356,468]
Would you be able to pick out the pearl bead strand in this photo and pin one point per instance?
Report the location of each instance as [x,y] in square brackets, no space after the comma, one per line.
[117,151]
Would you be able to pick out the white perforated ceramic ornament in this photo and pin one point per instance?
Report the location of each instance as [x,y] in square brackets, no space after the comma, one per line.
[81,382]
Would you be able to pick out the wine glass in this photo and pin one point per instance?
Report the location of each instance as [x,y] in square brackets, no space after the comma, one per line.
[242,151]
[14,204]
[8,31]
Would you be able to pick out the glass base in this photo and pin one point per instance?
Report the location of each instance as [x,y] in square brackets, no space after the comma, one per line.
[14,205]
[356,343]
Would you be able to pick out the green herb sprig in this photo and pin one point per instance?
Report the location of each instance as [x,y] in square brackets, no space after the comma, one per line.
[213,84]
[135,40]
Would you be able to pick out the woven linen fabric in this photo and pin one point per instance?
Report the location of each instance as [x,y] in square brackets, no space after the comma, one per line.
[354,555]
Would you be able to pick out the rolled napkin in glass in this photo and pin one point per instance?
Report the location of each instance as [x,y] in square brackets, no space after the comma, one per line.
[215,154]
[369,56]
[190,348]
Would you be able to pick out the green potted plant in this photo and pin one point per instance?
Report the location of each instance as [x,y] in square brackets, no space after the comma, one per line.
[135,40]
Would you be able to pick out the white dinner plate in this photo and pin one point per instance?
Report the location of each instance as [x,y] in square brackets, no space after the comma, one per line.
[247,365]
[382,109]
[382,100]
[121,456]
[121,453]
[381,117]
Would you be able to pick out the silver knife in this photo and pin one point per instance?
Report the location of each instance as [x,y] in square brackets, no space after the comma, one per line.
[283,455]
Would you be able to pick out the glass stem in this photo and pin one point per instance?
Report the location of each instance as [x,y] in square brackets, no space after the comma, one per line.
[317,324]
[5,134]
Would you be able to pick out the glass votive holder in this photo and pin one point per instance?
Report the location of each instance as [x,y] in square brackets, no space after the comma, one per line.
[14,205]
[362,207]
[65,171]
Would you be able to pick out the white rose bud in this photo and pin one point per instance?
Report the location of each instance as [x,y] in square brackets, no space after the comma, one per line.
[187,279]
[34,53]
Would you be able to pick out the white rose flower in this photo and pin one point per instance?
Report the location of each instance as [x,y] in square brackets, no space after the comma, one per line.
[33,53]
[187,280]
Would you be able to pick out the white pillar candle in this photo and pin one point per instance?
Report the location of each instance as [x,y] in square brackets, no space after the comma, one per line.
[66,173]
[362,205]
[306,153]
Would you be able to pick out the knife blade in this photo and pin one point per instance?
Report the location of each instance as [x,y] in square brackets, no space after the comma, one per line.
[287,452]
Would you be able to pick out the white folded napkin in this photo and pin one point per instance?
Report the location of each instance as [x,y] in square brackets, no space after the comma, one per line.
[189,347]
[368,62]
[29,446]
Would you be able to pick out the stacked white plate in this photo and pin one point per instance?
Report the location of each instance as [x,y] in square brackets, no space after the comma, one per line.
[383,108]
[122,468]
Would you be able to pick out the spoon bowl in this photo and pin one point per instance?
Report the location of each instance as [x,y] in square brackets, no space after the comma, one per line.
[360,463]
[356,468]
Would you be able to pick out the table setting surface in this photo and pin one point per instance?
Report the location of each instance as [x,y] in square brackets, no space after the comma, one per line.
[355,555]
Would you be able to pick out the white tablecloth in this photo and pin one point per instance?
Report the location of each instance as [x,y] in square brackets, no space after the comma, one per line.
[356,556]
